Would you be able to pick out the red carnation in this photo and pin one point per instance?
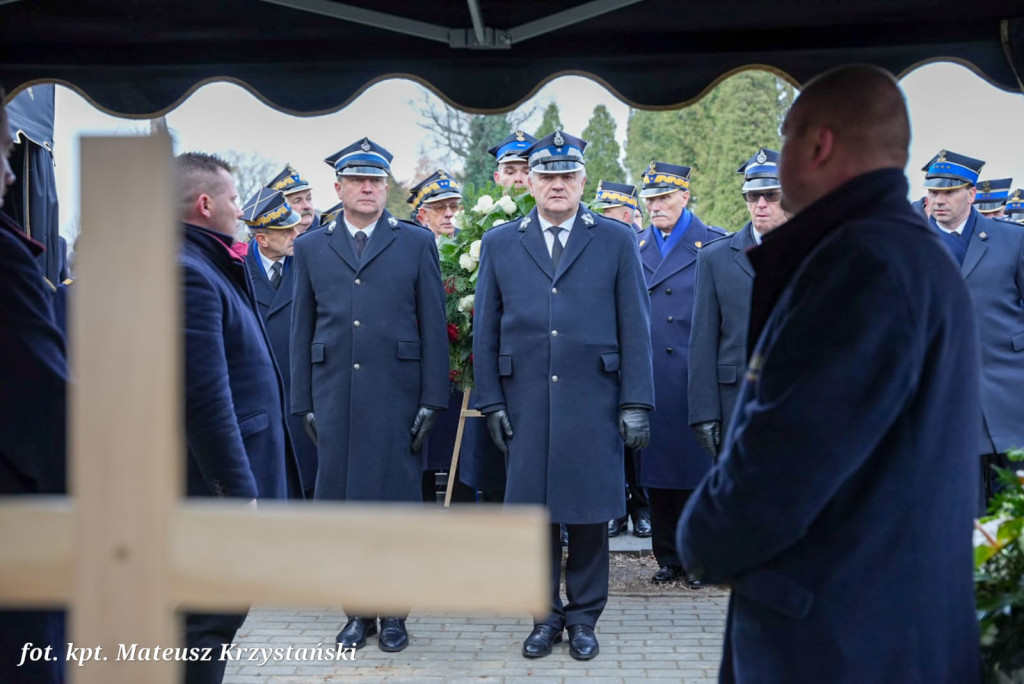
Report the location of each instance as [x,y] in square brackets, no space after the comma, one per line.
[453,333]
[454,375]
[449,285]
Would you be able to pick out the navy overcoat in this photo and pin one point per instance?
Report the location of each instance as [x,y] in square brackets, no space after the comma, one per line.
[673,459]
[718,338]
[275,308]
[563,352]
[235,430]
[993,269]
[369,346]
[841,510]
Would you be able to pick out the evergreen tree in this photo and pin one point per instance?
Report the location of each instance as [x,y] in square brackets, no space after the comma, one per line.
[602,151]
[395,201]
[715,136]
[485,132]
[551,122]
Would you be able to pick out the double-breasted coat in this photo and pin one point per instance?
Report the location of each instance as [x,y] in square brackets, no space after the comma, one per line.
[369,346]
[275,306]
[673,459]
[993,269]
[235,430]
[718,337]
[841,510]
[563,352]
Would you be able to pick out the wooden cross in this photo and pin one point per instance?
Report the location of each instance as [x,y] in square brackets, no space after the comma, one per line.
[125,551]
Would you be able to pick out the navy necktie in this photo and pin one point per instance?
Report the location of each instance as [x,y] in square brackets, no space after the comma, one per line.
[275,274]
[360,243]
[556,246]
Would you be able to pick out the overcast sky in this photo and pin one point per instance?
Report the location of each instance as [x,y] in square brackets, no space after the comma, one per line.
[950,108]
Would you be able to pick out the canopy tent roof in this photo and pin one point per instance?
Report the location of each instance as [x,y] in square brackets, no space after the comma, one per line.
[313,56]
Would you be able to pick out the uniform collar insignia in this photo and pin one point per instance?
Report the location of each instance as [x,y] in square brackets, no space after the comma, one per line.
[983,235]
[642,243]
[526,222]
[393,221]
[330,228]
[697,244]
[365,147]
[588,219]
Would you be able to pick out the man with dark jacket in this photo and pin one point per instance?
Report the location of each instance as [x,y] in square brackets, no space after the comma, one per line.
[721,306]
[840,511]
[369,351]
[238,444]
[33,428]
[562,361]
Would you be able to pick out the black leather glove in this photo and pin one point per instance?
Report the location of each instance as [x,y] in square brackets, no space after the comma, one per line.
[709,436]
[421,426]
[634,427]
[500,427]
[310,426]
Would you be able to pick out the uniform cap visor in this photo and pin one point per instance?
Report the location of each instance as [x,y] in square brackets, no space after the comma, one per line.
[557,166]
[657,191]
[945,183]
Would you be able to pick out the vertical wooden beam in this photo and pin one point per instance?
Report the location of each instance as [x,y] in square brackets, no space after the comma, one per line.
[125,407]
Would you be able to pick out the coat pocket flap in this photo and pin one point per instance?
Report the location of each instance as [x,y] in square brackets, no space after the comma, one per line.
[252,424]
[775,591]
[727,373]
[504,365]
[1017,341]
[610,359]
[316,352]
[409,350]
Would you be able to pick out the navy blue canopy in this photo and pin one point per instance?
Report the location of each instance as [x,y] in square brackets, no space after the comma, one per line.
[312,56]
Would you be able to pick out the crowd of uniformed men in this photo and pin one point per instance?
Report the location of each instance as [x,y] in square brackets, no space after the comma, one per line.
[317,356]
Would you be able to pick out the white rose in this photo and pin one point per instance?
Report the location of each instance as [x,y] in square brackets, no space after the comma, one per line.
[459,220]
[467,262]
[466,303]
[474,249]
[507,204]
[484,204]
[498,222]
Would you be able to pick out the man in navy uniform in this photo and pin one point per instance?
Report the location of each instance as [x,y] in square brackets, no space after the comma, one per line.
[840,511]
[235,429]
[510,153]
[369,350]
[990,254]
[620,202]
[435,201]
[1015,206]
[990,199]
[33,430]
[721,309]
[563,362]
[673,463]
[274,225]
[299,194]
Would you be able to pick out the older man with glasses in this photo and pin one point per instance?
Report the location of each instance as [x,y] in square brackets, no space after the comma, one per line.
[721,310]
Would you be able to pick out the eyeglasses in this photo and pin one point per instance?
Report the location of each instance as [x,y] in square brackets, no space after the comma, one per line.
[770,196]
[447,206]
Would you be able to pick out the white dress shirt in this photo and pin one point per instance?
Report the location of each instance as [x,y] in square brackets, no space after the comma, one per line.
[563,235]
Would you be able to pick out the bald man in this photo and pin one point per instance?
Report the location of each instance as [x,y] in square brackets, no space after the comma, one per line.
[841,509]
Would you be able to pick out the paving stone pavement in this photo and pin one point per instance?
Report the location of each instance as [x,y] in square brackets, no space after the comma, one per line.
[643,638]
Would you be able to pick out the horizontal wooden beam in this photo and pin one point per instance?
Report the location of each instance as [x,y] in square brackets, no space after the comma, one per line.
[361,557]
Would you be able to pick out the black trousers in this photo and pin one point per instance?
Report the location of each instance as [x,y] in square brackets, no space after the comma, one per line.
[586,576]
[666,508]
[636,497]
[209,630]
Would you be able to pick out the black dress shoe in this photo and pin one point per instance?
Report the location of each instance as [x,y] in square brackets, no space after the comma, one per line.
[618,526]
[393,636]
[667,573]
[642,523]
[694,583]
[582,642]
[355,632]
[540,641]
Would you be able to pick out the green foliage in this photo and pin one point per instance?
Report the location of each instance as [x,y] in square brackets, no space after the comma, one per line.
[483,208]
[485,132]
[715,136]
[602,149]
[999,579]
[395,201]
[551,122]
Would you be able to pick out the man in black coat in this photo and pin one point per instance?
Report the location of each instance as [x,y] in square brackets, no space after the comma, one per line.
[562,360]
[238,445]
[721,306]
[274,225]
[369,350]
[841,509]
[33,429]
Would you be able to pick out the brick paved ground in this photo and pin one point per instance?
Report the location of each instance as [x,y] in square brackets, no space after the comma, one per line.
[674,638]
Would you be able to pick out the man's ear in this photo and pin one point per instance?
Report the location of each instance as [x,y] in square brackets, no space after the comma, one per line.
[823,148]
[204,203]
